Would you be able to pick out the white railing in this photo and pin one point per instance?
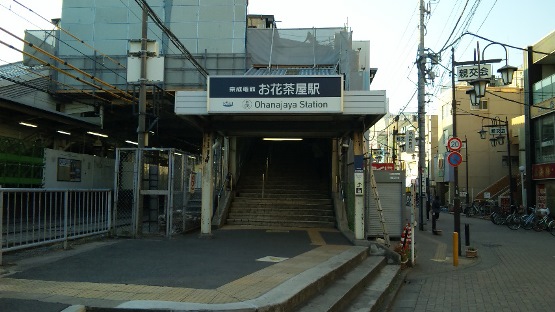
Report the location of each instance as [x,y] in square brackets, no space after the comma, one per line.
[34,217]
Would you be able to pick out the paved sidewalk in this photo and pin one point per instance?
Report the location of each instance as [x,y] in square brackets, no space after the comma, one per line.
[514,270]
[237,269]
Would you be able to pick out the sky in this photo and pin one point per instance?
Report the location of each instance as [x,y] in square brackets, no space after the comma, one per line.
[390,26]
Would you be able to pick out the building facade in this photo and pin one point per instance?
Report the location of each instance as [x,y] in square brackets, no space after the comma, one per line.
[540,116]
[483,165]
[393,143]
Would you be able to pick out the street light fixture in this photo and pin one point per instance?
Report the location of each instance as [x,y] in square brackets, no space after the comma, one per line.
[477,94]
[500,140]
[482,132]
[479,86]
[493,142]
[474,100]
[506,71]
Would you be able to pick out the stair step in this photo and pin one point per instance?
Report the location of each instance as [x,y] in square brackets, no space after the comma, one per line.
[279,195]
[281,223]
[296,211]
[338,296]
[380,292]
[280,217]
[283,201]
[284,191]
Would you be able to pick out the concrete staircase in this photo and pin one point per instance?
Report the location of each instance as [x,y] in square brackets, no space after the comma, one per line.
[364,283]
[351,281]
[292,192]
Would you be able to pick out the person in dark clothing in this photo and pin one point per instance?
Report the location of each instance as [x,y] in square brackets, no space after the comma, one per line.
[435,210]
[436,207]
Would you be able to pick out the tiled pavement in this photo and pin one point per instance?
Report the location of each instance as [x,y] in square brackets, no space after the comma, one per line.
[159,273]
[514,270]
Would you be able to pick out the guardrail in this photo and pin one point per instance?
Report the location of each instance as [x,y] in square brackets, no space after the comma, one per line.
[34,217]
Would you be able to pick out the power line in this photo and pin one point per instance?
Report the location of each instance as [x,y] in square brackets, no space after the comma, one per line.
[456,24]
[139,19]
[49,78]
[64,72]
[173,38]
[126,96]
[62,41]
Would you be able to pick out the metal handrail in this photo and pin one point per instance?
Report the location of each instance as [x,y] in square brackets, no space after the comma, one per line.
[267,165]
[263,184]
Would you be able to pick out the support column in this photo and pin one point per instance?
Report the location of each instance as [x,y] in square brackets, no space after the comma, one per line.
[334,166]
[207,186]
[359,185]
[233,159]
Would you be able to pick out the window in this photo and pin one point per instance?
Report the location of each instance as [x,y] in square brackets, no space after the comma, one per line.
[482,105]
[544,140]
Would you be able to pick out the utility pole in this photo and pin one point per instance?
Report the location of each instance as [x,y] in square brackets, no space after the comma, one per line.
[421,64]
[141,129]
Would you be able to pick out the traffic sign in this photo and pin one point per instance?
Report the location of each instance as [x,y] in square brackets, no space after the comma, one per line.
[454,159]
[454,144]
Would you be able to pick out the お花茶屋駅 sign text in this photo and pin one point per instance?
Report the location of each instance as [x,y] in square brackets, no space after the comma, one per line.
[275,94]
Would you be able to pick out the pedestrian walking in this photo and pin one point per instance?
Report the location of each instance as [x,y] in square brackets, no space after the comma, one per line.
[435,212]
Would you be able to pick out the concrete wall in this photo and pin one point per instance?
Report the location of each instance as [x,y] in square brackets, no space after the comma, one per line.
[94,172]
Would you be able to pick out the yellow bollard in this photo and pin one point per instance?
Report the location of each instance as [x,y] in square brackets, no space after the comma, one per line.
[455,249]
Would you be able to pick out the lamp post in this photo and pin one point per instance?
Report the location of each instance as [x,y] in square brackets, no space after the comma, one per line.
[498,139]
[456,199]
[465,144]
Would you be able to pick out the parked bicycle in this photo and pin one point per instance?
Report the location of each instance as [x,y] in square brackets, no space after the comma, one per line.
[543,223]
[528,220]
[476,208]
[513,221]
[551,227]
[499,215]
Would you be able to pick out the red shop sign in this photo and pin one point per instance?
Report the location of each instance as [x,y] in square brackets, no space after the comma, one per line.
[543,171]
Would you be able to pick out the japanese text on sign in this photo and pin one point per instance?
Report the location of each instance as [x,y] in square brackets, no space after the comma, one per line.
[467,73]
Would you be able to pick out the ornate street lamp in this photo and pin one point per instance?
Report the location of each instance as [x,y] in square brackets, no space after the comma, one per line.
[482,132]
[500,140]
[474,100]
[480,86]
[493,142]
[506,72]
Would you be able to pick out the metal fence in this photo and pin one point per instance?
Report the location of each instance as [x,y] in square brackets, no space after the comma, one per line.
[160,203]
[34,217]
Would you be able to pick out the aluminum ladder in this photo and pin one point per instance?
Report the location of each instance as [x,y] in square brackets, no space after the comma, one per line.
[379,206]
